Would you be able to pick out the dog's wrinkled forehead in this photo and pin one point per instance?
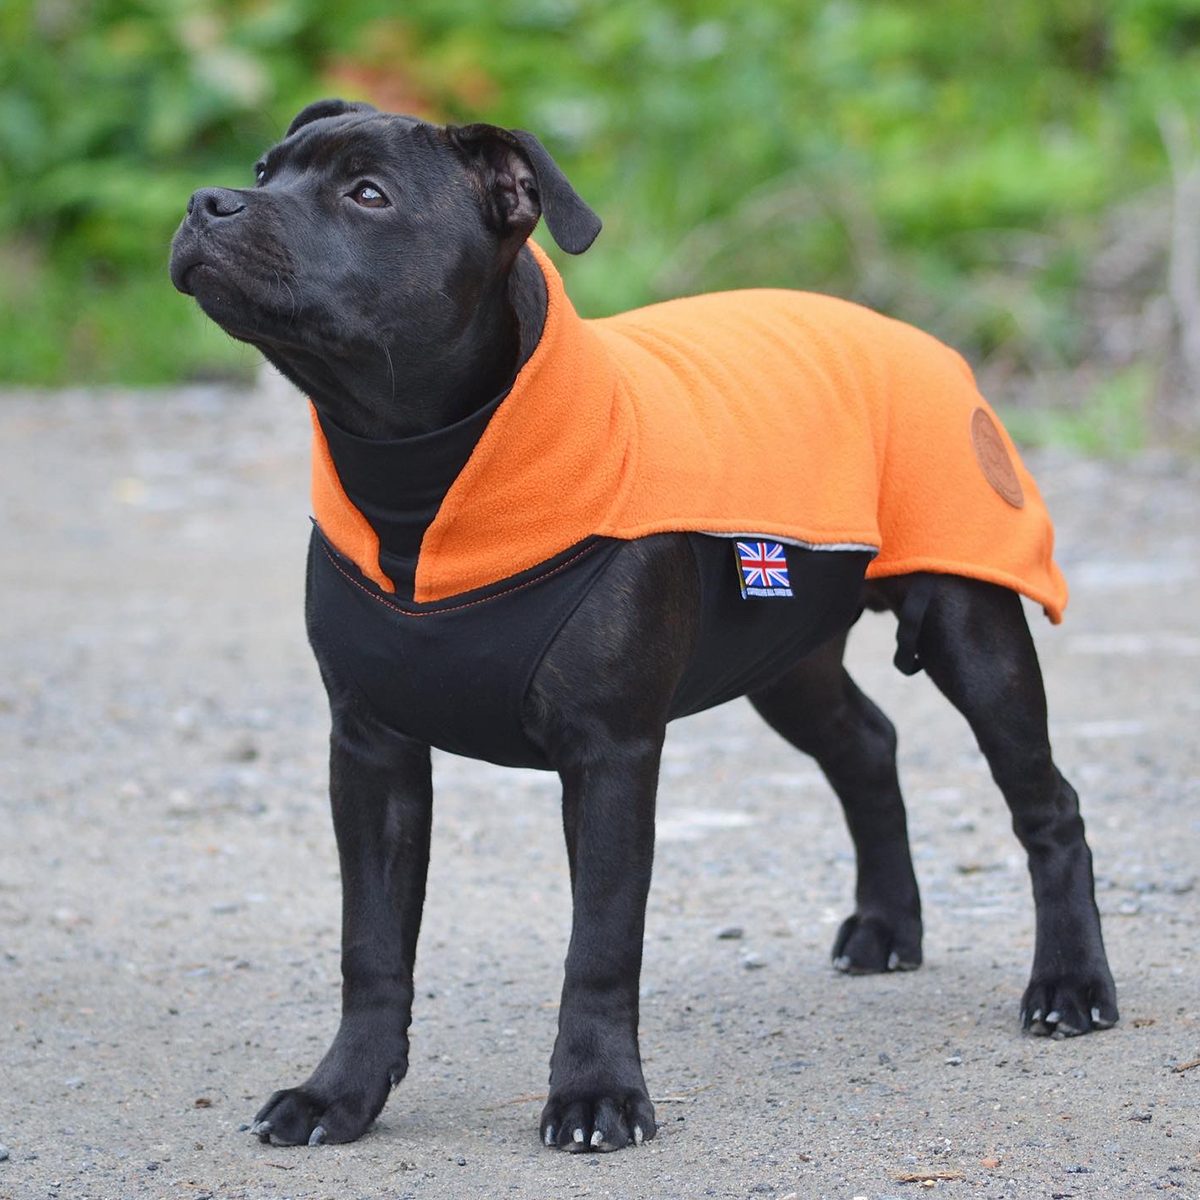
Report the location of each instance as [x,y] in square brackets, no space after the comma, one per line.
[350,143]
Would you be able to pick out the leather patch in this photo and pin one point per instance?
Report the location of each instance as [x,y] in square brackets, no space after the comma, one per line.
[993,458]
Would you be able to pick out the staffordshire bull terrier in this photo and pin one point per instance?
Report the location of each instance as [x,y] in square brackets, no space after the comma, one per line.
[538,540]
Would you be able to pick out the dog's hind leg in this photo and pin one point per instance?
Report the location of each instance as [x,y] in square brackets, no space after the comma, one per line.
[976,646]
[819,709]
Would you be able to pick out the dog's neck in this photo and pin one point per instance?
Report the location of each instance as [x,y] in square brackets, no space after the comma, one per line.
[407,390]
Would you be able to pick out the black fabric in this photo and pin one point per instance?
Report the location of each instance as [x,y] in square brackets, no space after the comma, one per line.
[746,643]
[908,630]
[455,673]
[398,485]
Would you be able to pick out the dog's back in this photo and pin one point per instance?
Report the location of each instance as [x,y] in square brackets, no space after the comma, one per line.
[772,413]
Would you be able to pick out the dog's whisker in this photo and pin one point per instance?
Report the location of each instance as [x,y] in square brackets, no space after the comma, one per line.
[391,372]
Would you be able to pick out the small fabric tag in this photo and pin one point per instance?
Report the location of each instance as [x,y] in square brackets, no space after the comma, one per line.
[762,569]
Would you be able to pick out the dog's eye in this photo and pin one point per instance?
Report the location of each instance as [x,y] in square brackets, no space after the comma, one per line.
[260,173]
[369,196]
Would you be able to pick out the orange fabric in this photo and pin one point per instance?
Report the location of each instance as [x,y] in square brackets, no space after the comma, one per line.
[769,412]
[340,520]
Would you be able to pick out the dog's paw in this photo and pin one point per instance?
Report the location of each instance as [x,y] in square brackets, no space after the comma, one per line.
[302,1116]
[599,1122]
[1068,1005]
[869,943]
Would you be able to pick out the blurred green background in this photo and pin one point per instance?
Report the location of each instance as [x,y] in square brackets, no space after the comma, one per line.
[1021,179]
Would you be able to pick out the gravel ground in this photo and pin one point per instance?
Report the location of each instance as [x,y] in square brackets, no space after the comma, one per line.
[169,889]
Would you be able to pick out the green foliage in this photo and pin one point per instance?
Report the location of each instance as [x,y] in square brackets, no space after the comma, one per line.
[1111,420]
[947,161]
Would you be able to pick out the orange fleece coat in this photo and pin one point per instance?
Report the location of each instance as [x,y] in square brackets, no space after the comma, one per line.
[777,413]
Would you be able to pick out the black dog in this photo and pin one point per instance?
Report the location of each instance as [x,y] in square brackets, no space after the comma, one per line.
[380,264]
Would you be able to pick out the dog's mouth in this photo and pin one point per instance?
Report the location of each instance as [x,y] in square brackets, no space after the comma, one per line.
[186,264]
[230,297]
[198,259]
[186,281]
[215,288]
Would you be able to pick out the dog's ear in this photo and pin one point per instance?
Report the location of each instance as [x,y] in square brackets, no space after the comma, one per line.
[332,107]
[521,182]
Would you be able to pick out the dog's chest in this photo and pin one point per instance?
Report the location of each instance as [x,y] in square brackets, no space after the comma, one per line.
[455,674]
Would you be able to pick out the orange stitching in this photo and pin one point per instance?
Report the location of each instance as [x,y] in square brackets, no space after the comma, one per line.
[457,607]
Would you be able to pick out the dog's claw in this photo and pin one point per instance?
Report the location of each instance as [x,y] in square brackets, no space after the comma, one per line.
[1070,1004]
[317,1136]
[262,1131]
[606,1121]
[871,942]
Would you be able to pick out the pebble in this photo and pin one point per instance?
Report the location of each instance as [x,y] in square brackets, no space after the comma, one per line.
[731,933]
[243,750]
[3,1151]
[955,1060]
[753,961]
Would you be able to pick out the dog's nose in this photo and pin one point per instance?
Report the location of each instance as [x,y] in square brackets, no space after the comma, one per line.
[214,202]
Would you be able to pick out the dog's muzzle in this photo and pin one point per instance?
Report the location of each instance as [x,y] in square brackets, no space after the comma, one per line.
[207,208]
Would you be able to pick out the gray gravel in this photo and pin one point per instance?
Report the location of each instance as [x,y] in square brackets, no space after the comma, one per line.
[169,889]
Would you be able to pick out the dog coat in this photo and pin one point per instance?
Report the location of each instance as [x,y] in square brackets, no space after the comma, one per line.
[846,441]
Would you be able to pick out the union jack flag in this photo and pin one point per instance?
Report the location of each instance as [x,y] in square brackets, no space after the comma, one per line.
[764,569]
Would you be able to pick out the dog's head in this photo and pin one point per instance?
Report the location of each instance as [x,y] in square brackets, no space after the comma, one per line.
[364,227]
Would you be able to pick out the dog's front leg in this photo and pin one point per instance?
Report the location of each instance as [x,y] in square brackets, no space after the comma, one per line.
[598,706]
[382,800]
[598,1097]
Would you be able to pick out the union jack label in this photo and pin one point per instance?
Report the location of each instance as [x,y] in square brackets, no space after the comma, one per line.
[762,569]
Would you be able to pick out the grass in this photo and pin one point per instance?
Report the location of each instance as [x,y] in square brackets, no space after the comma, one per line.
[1112,418]
[59,327]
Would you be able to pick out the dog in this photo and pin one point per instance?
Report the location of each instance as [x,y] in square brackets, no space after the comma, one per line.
[383,265]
